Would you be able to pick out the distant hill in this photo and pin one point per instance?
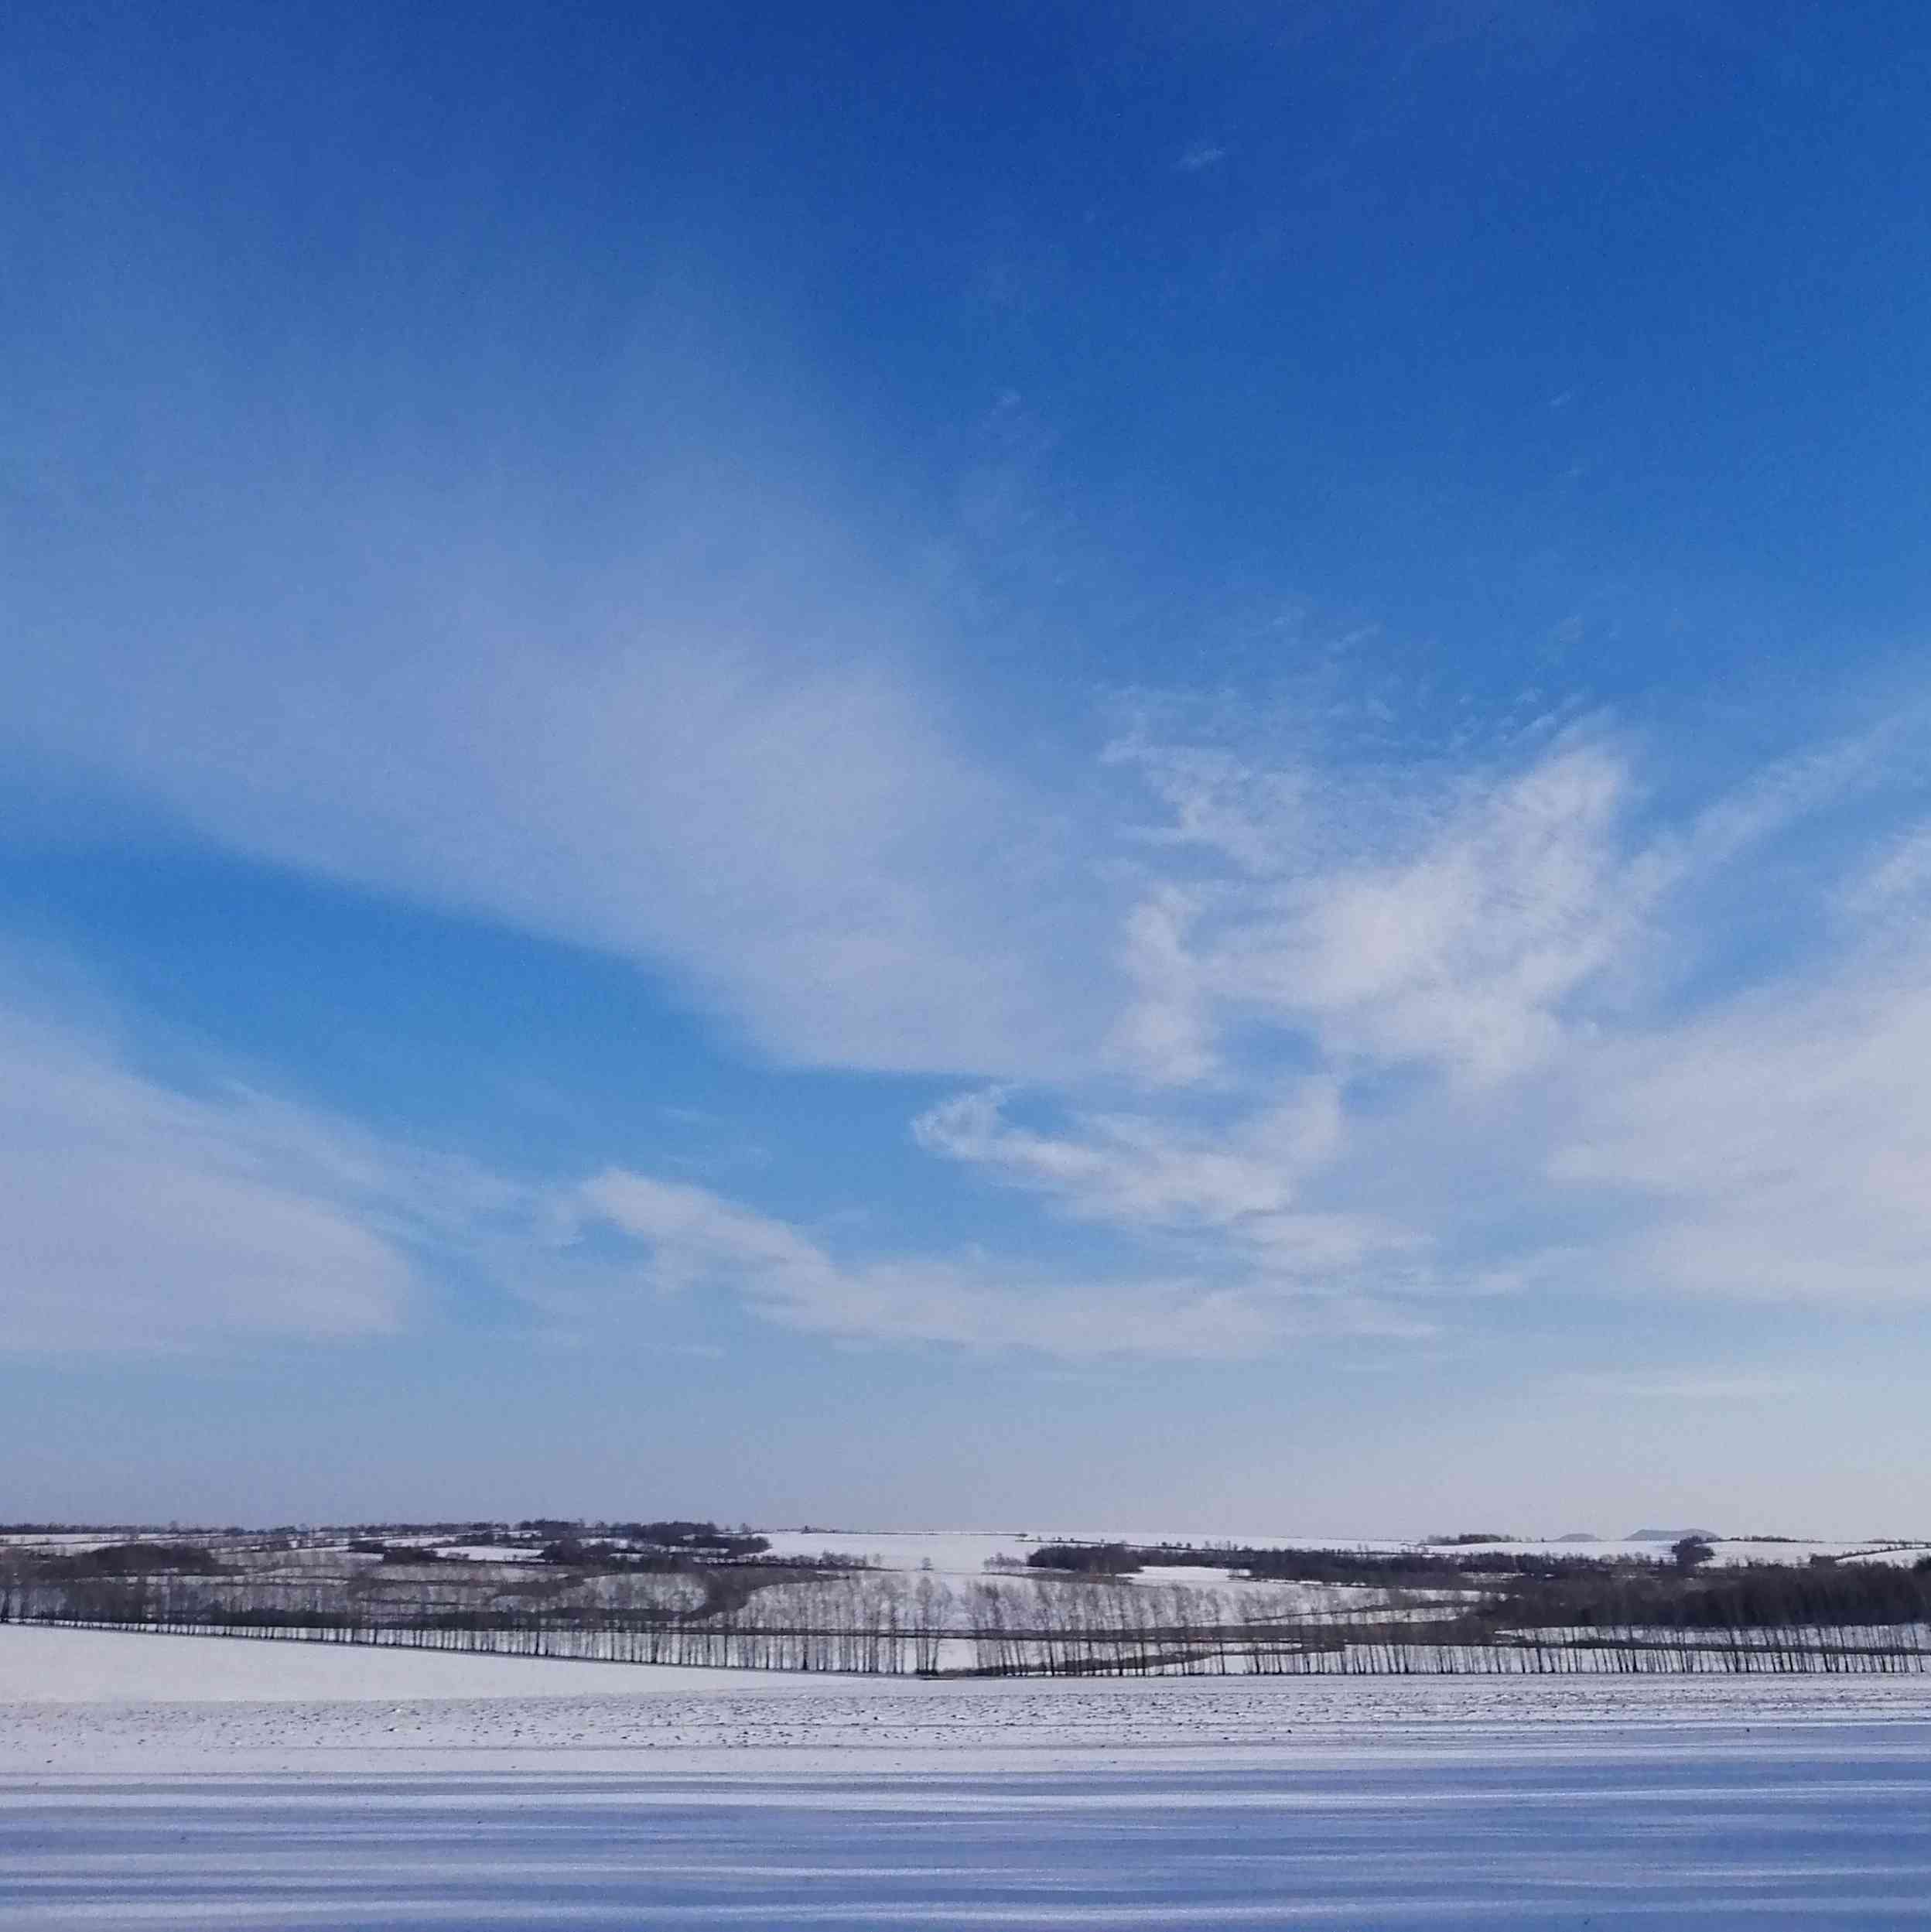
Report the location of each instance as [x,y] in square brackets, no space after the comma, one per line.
[1670,1536]
[1579,1536]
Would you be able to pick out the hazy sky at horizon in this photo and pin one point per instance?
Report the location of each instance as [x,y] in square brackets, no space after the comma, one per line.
[1017,765]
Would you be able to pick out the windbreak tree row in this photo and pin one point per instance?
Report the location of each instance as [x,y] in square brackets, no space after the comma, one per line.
[1759,1619]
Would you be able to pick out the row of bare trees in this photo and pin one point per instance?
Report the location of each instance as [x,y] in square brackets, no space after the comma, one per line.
[871,1623]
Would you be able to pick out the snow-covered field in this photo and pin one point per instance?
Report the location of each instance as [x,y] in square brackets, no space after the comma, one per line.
[205,1781]
[1597,1829]
[957,1553]
[39,1664]
[141,1702]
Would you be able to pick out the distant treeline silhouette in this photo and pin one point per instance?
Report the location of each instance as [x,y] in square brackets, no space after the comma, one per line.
[1079,1610]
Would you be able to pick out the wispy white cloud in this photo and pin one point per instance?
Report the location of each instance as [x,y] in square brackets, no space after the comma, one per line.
[1309,1015]
[692,1239]
[1468,914]
[796,842]
[1777,1149]
[1202,155]
[1418,1011]
[1136,1167]
[134,1217]
[1447,931]
[1893,886]
[148,1217]
[1229,1192]
[1694,1388]
[702,733]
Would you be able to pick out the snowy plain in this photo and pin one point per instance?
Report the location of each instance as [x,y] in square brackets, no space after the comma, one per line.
[968,1552]
[219,1782]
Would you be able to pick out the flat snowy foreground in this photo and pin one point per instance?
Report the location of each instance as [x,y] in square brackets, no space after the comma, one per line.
[43,1664]
[398,1796]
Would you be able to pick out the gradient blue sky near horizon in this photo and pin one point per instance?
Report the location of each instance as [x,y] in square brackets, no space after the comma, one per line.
[1035,765]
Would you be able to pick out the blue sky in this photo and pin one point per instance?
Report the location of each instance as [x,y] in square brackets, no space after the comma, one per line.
[1028,764]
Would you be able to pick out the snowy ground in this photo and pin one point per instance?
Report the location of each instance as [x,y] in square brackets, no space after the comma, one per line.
[42,1664]
[960,1552]
[218,1782]
[1594,1827]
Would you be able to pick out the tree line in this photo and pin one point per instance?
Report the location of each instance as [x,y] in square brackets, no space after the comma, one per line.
[1775,1619]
